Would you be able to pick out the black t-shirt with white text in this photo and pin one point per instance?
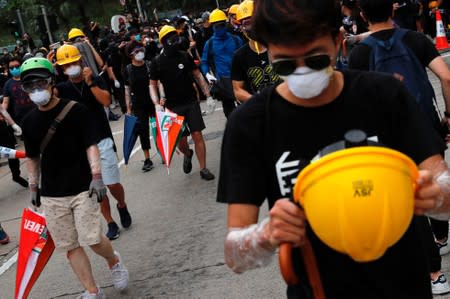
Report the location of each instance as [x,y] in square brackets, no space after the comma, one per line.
[254,69]
[65,169]
[81,93]
[175,73]
[262,154]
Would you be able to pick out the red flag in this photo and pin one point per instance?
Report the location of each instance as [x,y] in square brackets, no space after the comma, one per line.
[35,248]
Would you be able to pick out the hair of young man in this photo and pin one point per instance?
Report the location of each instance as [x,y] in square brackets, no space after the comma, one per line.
[376,11]
[293,22]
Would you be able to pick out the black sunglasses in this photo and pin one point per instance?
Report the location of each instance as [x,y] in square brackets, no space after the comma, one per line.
[286,66]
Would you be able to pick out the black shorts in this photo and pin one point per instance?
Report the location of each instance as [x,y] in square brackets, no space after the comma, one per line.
[192,117]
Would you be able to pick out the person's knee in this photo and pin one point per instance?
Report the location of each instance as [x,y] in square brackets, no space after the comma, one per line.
[197,136]
[71,252]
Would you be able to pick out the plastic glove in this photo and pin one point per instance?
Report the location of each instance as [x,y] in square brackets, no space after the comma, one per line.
[210,105]
[35,195]
[116,83]
[210,78]
[98,187]
[159,108]
[17,130]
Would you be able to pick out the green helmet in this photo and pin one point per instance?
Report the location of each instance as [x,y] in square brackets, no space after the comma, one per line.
[36,67]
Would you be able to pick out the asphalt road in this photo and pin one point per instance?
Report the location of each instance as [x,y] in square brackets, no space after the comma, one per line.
[174,248]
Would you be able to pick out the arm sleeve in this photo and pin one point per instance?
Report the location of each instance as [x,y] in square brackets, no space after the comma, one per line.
[237,72]
[87,126]
[126,76]
[154,70]
[204,66]
[421,46]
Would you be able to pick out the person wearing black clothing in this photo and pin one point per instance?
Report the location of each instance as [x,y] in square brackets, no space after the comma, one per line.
[405,12]
[176,71]
[378,13]
[203,34]
[68,164]
[251,71]
[137,97]
[91,91]
[314,107]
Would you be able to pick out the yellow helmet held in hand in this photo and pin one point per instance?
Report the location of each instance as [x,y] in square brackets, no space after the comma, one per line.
[359,201]
[67,54]
[166,29]
[217,16]
[245,10]
[232,10]
[75,32]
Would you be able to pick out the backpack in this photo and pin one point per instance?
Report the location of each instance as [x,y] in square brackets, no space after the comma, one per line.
[393,57]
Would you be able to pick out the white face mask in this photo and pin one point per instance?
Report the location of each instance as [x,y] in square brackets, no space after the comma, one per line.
[73,71]
[40,97]
[139,56]
[306,83]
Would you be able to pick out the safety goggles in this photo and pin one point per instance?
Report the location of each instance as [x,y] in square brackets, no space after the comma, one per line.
[29,86]
[286,66]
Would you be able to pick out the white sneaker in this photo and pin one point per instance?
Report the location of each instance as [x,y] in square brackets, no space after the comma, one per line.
[119,274]
[444,248]
[440,285]
[87,295]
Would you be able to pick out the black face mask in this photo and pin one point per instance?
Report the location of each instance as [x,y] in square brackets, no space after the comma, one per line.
[172,45]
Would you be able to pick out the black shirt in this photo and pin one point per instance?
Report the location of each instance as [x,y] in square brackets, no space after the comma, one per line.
[65,169]
[175,73]
[262,154]
[81,93]
[138,78]
[419,44]
[254,69]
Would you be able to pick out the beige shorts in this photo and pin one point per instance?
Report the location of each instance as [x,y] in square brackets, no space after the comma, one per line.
[73,221]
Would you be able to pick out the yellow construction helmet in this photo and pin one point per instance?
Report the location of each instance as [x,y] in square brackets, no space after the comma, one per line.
[75,32]
[432,4]
[232,10]
[67,54]
[166,29]
[245,10]
[359,201]
[217,16]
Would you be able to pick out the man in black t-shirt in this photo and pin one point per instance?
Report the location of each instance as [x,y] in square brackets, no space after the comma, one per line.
[251,71]
[91,91]
[378,14]
[176,71]
[69,162]
[137,96]
[288,124]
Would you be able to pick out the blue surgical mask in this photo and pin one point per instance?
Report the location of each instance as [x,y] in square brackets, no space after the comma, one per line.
[15,72]
[137,37]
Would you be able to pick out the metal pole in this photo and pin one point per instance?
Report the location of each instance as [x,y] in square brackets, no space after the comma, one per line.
[19,17]
[217,3]
[47,26]
[141,15]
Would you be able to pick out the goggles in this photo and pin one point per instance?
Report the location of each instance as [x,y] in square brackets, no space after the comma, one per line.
[286,66]
[173,40]
[29,86]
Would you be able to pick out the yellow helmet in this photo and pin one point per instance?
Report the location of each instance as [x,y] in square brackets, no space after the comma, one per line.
[75,32]
[166,29]
[232,10]
[245,10]
[217,15]
[432,4]
[359,201]
[67,54]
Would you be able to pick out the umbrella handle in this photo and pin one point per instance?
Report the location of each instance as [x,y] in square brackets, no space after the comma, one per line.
[309,259]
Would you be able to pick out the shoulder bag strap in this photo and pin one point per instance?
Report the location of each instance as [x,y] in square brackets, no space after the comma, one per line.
[55,124]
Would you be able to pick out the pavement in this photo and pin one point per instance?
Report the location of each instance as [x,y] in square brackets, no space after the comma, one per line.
[174,248]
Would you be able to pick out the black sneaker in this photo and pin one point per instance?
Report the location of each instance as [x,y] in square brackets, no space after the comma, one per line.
[206,174]
[125,218]
[148,165]
[21,181]
[113,231]
[187,162]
